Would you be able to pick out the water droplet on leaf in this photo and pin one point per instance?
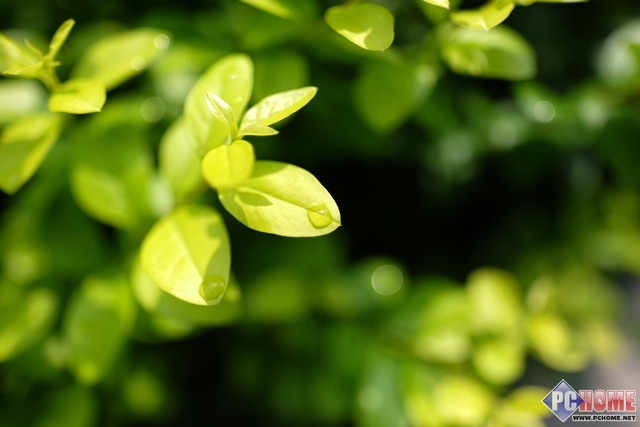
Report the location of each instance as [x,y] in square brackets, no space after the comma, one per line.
[319,216]
[212,288]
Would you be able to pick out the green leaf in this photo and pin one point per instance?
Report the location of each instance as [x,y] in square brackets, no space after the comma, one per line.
[17,60]
[283,199]
[97,322]
[78,96]
[118,57]
[59,38]
[157,301]
[487,16]
[23,146]
[288,9]
[530,2]
[231,79]
[222,112]
[499,53]
[365,24]
[274,108]
[279,71]
[187,255]
[499,361]
[228,165]
[68,406]
[19,98]
[618,61]
[440,3]
[386,94]
[25,317]
[179,164]
[112,174]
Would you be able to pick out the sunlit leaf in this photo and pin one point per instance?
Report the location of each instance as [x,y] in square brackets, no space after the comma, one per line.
[387,93]
[276,107]
[78,96]
[19,98]
[179,164]
[59,38]
[499,361]
[118,57]
[157,301]
[499,53]
[25,317]
[223,113]
[23,146]
[187,255]
[231,79]
[96,325]
[288,9]
[365,24]
[487,16]
[618,60]
[441,3]
[456,388]
[16,59]
[282,199]
[228,165]
[553,341]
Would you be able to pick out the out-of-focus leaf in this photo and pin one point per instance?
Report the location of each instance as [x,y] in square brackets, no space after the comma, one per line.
[499,361]
[365,24]
[279,71]
[530,2]
[71,406]
[78,96]
[386,94]
[17,60]
[277,296]
[499,53]
[187,254]
[440,3]
[487,16]
[275,107]
[228,165]
[618,60]
[23,146]
[453,389]
[288,9]
[19,98]
[59,38]
[112,175]
[96,325]
[118,57]
[231,79]
[25,317]
[282,199]
[552,339]
[157,301]
[179,164]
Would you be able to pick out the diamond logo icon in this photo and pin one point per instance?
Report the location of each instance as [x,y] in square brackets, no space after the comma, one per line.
[563,400]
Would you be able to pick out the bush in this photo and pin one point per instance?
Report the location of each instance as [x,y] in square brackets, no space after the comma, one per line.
[465,170]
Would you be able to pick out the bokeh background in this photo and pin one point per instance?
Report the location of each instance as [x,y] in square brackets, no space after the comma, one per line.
[490,244]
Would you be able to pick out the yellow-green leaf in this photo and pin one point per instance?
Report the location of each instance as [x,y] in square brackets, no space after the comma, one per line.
[276,107]
[187,255]
[78,96]
[487,16]
[16,59]
[440,3]
[365,24]
[231,79]
[228,165]
[23,146]
[59,38]
[179,164]
[288,9]
[282,199]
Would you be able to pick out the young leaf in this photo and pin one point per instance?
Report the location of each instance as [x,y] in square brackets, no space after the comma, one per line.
[228,165]
[17,60]
[118,57]
[157,301]
[59,38]
[274,108]
[187,255]
[78,96]
[386,94]
[282,199]
[231,79]
[288,9]
[23,146]
[222,112]
[440,3]
[499,53]
[365,24]
[487,16]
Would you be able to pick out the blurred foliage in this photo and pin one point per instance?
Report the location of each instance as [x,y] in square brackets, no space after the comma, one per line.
[482,155]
